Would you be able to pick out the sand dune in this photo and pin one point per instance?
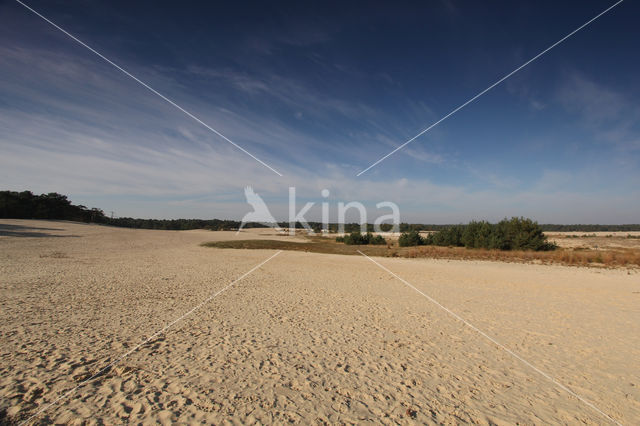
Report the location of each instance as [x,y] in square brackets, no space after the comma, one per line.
[306,338]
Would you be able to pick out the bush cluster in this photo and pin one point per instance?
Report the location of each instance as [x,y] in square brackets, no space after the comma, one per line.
[359,239]
[508,234]
[410,239]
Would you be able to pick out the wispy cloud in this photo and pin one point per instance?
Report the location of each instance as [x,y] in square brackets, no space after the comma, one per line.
[72,124]
[608,113]
[524,91]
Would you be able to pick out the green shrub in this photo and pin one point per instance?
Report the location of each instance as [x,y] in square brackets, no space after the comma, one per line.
[477,235]
[378,240]
[409,239]
[357,238]
[451,236]
[508,234]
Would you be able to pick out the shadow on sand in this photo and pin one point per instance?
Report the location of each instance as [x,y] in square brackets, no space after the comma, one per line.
[7,230]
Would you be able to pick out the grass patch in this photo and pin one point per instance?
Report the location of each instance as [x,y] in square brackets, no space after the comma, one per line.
[315,245]
[571,257]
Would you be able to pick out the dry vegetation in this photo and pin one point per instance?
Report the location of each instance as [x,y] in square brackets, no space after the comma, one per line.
[575,256]
[571,257]
[314,245]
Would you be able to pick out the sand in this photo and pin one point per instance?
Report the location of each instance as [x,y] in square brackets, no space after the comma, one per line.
[596,240]
[306,338]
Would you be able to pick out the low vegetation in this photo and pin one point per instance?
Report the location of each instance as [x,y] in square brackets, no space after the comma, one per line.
[572,257]
[314,245]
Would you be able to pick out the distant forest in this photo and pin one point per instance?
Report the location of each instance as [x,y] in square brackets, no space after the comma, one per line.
[26,205]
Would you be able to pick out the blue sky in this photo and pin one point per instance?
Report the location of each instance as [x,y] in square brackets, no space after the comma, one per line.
[320,92]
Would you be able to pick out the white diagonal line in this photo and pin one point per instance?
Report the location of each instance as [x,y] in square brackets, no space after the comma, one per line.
[154,91]
[147,340]
[495,342]
[491,87]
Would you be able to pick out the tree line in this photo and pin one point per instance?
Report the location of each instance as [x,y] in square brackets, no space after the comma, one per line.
[27,205]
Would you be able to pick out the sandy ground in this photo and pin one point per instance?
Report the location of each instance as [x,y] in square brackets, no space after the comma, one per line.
[596,240]
[306,338]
